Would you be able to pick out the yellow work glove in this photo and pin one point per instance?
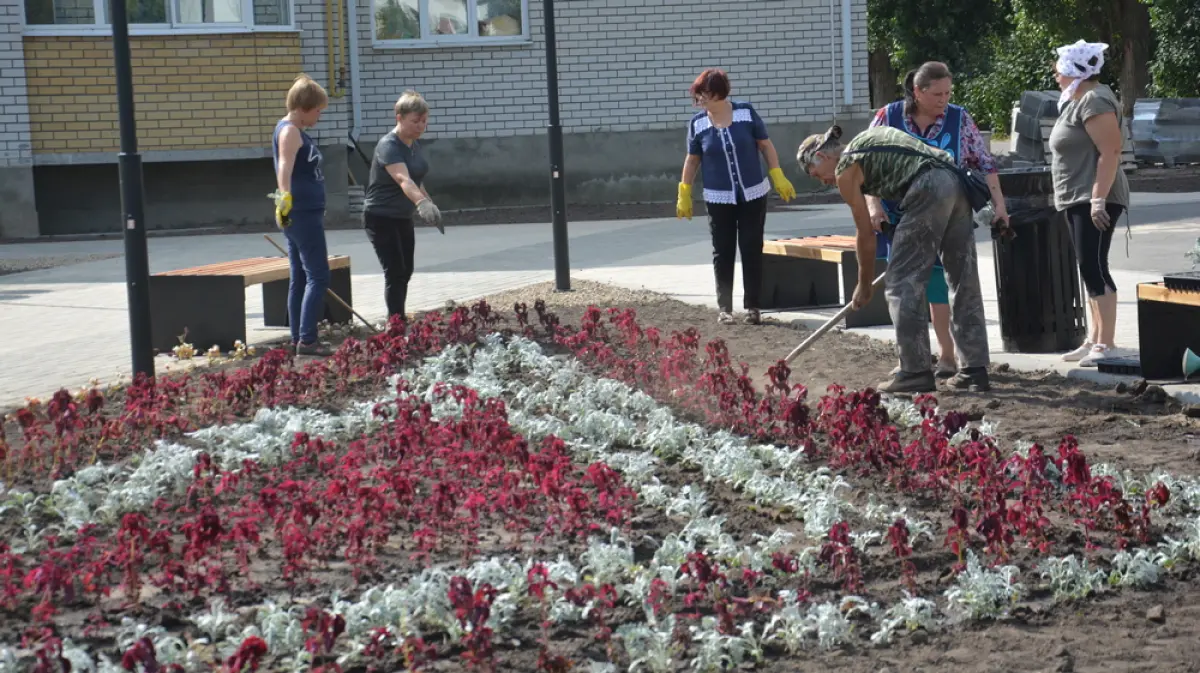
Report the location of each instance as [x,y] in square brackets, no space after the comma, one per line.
[283,206]
[786,191]
[683,207]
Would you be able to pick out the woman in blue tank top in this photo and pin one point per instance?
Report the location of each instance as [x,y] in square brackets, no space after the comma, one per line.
[300,212]
[926,113]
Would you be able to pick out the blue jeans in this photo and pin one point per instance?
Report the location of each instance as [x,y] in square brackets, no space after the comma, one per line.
[310,273]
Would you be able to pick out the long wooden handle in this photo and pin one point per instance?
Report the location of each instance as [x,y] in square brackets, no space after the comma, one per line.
[328,290]
[812,338]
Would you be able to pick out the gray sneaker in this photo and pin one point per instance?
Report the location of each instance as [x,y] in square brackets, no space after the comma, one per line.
[972,379]
[945,369]
[725,318]
[317,349]
[909,382]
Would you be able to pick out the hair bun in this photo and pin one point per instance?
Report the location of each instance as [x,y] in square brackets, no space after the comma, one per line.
[835,132]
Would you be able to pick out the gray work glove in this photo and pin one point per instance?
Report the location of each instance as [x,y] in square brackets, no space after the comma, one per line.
[429,212]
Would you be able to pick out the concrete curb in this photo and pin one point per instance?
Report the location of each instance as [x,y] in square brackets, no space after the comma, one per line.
[1185,393]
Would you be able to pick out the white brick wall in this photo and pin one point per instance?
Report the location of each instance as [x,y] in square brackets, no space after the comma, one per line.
[310,19]
[14,116]
[626,65]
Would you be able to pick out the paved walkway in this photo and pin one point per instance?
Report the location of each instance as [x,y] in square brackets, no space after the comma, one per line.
[64,326]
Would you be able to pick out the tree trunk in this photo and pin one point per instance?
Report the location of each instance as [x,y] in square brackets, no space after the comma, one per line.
[883,78]
[1135,44]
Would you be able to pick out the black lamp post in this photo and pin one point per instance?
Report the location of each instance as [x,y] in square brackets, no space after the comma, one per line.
[558,191]
[137,263]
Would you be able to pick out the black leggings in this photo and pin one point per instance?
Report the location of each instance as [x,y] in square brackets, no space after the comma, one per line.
[735,226]
[1091,246]
[394,241]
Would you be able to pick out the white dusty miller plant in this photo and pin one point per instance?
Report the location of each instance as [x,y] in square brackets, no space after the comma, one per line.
[982,593]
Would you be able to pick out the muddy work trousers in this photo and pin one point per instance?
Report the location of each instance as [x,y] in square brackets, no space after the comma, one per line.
[936,219]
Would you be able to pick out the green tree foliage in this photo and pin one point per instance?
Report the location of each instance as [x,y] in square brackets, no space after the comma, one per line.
[915,31]
[1021,59]
[1175,68]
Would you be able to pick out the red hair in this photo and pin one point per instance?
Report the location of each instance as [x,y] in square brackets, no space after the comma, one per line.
[712,82]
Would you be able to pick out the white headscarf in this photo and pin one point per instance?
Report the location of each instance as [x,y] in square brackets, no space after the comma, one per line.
[1078,61]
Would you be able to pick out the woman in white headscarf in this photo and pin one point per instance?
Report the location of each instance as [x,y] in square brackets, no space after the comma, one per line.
[1089,184]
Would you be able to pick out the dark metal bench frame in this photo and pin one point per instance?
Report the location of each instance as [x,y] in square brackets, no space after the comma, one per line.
[1168,324]
[803,273]
[209,301]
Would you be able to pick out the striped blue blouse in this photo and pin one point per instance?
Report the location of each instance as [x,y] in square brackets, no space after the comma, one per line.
[729,160]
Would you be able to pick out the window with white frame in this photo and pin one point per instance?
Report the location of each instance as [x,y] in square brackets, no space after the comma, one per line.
[417,23]
[81,15]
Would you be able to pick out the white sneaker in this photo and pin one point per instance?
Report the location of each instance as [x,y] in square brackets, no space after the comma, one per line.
[1098,352]
[1079,353]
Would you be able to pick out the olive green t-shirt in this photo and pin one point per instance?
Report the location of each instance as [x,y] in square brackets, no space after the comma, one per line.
[889,174]
[1073,155]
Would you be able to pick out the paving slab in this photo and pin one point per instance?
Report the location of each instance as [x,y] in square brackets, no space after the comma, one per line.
[66,325]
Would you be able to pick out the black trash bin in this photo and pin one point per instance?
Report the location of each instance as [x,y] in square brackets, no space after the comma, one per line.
[1037,279]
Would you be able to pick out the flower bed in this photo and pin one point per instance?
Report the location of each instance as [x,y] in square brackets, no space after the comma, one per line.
[468,491]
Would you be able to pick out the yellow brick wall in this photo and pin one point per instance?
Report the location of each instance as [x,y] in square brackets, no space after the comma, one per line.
[191,92]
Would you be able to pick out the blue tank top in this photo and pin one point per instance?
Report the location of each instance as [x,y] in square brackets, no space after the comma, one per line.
[308,182]
[949,138]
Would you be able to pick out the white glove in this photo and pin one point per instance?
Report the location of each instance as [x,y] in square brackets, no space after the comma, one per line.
[429,212]
[1100,216]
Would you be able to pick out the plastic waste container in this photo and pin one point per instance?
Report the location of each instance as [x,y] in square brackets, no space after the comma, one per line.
[1038,287]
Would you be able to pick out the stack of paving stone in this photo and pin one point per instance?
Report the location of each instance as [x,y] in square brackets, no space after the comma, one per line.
[1032,121]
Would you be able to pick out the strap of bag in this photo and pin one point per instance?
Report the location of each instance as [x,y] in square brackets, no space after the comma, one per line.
[963,175]
[897,149]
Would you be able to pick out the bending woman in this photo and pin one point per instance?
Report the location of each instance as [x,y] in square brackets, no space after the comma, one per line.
[725,140]
[395,195]
[926,113]
[300,212]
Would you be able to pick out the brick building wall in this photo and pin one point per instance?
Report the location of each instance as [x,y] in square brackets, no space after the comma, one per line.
[625,65]
[18,216]
[208,101]
[14,116]
[190,91]
[334,125]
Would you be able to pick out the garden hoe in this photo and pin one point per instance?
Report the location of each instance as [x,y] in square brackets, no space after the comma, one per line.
[330,292]
[812,338]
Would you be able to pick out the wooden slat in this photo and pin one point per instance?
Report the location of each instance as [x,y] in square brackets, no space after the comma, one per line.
[1160,292]
[255,270]
[221,268]
[824,248]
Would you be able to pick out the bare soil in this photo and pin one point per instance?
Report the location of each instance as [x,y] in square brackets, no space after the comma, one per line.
[1111,633]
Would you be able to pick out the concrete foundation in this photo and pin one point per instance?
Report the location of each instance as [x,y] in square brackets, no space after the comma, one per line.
[86,198]
[18,207]
[601,167]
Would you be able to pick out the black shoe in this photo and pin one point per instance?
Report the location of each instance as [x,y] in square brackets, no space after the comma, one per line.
[909,382]
[973,379]
[316,348]
[752,317]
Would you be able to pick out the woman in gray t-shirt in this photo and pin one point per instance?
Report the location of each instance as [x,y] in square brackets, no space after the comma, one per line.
[395,194]
[1089,185]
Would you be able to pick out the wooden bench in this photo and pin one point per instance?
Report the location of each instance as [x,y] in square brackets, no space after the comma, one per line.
[1168,324]
[210,300]
[818,272]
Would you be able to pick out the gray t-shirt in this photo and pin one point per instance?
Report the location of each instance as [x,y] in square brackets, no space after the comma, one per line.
[384,196]
[1074,155]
